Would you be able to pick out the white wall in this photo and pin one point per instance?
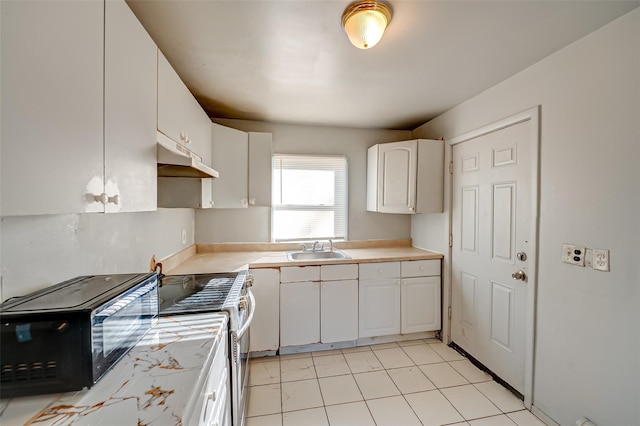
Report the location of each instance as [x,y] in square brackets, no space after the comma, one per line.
[38,251]
[252,224]
[587,358]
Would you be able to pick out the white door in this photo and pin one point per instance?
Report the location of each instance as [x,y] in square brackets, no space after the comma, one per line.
[339,311]
[492,229]
[379,306]
[299,313]
[397,174]
[420,307]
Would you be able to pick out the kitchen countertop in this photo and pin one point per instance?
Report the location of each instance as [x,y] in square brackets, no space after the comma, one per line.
[212,258]
[151,385]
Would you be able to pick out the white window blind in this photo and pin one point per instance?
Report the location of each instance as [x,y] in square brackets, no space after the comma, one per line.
[309,197]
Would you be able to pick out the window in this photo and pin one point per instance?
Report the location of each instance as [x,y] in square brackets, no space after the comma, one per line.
[309,197]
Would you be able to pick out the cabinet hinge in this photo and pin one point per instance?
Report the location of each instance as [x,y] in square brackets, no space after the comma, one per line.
[449,313]
[451,168]
[450,240]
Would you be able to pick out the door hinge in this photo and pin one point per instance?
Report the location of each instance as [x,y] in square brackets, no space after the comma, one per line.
[449,312]
[451,168]
[450,240]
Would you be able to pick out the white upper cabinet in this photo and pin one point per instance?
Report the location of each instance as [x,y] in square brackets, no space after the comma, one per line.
[244,162]
[78,109]
[180,117]
[405,177]
[52,93]
[130,110]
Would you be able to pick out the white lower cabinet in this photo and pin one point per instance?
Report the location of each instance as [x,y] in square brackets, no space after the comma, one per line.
[379,307]
[420,301]
[338,303]
[299,313]
[399,297]
[265,328]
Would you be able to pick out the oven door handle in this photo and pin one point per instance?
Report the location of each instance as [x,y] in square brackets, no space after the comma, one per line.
[247,323]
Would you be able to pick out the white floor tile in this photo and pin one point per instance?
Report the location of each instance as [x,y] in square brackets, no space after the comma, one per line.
[443,375]
[301,395]
[470,371]
[352,414]
[294,356]
[422,354]
[384,346]
[264,373]
[525,418]
[411,342]
[310,417]
[392,411]
[433,408]
[270,420]
[410,380]
[446,352]
[376,384]
[339,390]
[470,402]
[327,352]
[362,362]
[331,365]
[500,396]
[500,420]
[297,369]
[356,349]
[393,358]
[264,400]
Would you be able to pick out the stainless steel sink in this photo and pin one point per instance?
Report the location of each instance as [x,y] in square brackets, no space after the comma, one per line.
[313,255]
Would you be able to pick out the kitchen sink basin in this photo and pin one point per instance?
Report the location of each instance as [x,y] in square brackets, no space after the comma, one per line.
[314,255]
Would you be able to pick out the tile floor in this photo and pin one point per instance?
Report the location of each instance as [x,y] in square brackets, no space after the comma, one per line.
[418,382]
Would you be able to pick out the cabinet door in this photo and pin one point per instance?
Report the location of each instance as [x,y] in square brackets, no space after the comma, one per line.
[172,101]
[339,311]
[379,306]
[52,92]
[299,313]
[420,304]
[397,177]
[260,167]
[265,328]
[130,104]
[229,155]
[198,129]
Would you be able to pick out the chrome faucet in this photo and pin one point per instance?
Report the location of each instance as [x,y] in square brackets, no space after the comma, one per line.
[315,243]
[330,245]
[304,247]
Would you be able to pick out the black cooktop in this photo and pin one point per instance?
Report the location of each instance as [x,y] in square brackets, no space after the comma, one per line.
[194,293]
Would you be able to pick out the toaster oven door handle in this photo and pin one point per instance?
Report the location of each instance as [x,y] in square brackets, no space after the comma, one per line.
[252,310]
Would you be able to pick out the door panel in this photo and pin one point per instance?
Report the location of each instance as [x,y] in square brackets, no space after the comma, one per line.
[491,223]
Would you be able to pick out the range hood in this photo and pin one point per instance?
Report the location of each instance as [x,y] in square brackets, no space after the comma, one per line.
[174,160]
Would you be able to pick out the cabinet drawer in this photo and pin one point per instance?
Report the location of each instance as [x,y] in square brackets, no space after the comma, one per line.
[371,271]
[420,268]
[299,273]
[339,272]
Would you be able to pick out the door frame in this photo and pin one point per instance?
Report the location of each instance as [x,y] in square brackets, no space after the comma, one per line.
[533,116]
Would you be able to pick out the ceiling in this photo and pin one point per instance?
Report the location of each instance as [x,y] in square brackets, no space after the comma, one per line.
[290,61]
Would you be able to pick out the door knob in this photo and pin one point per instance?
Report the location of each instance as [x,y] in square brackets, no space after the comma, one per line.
[520,275]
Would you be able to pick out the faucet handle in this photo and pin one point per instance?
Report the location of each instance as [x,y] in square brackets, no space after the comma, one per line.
[304,247]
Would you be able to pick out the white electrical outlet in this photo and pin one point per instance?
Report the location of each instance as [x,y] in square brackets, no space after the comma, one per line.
[601,260]
[573,255]
[184,236]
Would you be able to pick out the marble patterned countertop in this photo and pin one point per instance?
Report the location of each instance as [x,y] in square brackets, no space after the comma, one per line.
[151,385]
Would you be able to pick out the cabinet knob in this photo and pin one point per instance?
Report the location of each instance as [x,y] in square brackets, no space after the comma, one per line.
[422,268]
[102,198]
[411,209]
[380,270]
[115,199]
[252,201]
[187,140]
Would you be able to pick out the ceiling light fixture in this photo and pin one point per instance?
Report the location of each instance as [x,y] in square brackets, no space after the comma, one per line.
[365,22]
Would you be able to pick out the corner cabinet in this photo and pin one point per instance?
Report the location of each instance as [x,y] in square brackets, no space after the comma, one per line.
[406,177]
[244,162]
[76,109]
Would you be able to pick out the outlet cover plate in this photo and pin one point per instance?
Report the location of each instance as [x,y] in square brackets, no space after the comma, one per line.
[573,255]
[601,260]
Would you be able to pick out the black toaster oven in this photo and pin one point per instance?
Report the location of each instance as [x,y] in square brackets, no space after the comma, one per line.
[67,336]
